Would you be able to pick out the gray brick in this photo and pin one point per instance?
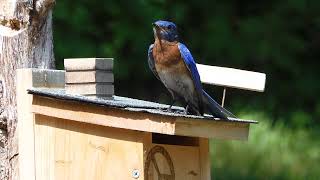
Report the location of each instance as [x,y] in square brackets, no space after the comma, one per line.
[90,89]
[89,76]
[85,64]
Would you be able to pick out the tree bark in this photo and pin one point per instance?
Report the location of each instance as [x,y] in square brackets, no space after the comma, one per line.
[25,42]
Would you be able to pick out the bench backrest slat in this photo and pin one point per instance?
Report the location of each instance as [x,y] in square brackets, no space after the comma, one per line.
[230,77]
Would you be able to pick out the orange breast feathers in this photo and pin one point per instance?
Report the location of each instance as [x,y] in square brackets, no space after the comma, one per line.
[167,57]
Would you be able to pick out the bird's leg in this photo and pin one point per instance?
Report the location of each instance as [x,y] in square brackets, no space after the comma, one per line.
[172,102]
[189,110]
[186,110]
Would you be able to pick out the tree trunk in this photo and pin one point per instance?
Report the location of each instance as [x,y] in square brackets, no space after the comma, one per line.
[25,42]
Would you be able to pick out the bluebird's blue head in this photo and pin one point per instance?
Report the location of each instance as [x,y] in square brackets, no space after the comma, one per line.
[165,30]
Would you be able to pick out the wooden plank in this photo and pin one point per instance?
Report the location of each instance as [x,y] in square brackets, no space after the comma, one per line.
[103,116]
[204,158]
[141,121]
[25,125]
[47,78]
[230,77]
[26,79]
[73,150]
[44,144]
[147,143]
[212,129]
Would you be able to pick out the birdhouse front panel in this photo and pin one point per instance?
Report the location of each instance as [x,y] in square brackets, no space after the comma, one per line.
[73,150]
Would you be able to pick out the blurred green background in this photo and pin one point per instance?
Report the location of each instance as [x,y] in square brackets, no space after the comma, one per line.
[278,37]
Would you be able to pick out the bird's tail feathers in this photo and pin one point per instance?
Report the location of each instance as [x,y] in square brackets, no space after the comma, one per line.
[215,108]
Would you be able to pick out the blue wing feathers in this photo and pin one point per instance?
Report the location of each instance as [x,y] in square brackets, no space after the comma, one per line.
[212,105]
[191,64]
[215,108]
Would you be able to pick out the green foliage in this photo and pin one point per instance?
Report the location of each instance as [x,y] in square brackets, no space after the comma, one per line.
[271,153]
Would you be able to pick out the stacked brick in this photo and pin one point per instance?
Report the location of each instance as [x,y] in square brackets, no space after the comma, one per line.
[91,77]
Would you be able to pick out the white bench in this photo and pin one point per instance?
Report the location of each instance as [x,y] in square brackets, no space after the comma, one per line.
[233,78]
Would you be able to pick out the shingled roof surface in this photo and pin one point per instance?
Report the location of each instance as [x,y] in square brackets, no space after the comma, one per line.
[125,103]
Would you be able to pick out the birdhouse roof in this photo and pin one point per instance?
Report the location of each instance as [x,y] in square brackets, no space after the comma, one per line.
[134,114]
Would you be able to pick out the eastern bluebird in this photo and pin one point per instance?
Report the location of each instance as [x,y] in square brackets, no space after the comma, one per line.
[172,63]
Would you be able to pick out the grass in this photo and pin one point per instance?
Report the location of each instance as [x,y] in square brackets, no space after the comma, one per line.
[271,153]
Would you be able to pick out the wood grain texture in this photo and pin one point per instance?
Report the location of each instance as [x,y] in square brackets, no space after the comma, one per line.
[73,150]
[46,78]
[184,159]
[205,166]
[212,129]
[44,138]
[141,121]
[29,78]
[67,149]
[25,124]
[230,77]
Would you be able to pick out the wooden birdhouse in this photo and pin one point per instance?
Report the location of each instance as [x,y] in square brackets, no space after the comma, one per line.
[74,135]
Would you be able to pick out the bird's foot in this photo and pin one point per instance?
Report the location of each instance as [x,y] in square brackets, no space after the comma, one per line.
[170,109]
[186,109]
[190,111]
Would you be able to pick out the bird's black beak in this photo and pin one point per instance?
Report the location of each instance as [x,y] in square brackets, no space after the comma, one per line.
[157,27]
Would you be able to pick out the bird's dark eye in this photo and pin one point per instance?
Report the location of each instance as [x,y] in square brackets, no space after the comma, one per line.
[170,26]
